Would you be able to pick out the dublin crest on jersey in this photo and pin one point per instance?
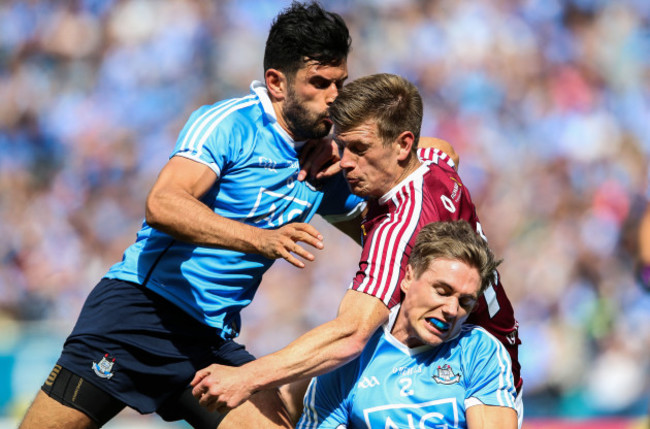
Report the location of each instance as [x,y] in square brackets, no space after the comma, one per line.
[446,375]
[104,367]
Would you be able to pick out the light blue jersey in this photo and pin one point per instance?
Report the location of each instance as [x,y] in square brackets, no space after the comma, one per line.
[256,162]
[392,386]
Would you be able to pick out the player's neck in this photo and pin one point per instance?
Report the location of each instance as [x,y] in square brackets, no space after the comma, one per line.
[277,107]
[412,164]
[402,333]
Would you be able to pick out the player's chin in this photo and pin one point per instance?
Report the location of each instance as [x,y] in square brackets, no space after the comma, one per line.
[433,340]
[358,190]
[322,129]
[432,336]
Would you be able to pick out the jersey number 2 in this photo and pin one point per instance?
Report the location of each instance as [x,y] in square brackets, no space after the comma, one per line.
[406,384]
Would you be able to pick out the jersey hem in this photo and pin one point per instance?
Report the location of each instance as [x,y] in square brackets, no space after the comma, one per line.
[153,286]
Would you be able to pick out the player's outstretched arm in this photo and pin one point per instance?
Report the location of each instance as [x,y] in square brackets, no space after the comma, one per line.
[173,206]
[443,145]
[320,350]
[491,417]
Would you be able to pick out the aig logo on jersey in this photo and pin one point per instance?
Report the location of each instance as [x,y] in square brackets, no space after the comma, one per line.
[368,382]
[274,209]
[424,415]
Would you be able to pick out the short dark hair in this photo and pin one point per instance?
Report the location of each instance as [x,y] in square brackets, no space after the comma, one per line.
[306,32]
[453,240]
[394,102]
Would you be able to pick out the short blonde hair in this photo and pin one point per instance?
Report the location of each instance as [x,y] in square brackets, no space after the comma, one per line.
[453,240]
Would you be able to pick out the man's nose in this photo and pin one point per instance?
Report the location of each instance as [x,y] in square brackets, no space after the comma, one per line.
[347,160]
[450,308]
[332,93]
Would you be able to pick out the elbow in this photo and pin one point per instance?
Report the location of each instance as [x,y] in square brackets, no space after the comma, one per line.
[356,338]
[357,343]
[153,211]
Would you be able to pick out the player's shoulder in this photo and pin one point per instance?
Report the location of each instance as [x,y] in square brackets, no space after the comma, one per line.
[229,113]
[440,178]
[441,170]
[437,157]
[477,337]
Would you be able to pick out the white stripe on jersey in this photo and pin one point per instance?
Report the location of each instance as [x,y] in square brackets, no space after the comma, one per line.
[505,364]
[392,245]
[435,155]
[309,418]
[192,133]
[398,236]
[210,119]
[377,252]
[309,415]
[491,300]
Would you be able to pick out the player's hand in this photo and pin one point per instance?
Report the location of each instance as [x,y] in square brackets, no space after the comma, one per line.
[220,388]
[283,242]
[319,159]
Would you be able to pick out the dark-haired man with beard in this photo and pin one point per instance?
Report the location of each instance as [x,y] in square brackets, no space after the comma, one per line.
[224,208]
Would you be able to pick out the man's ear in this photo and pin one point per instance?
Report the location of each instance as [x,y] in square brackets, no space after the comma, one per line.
[405,142]
[409,276]
[276,84]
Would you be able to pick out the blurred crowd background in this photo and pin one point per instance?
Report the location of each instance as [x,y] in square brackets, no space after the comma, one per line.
[546,101]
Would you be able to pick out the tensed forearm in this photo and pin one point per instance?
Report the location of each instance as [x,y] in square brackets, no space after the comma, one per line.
[320,350]
[170,211]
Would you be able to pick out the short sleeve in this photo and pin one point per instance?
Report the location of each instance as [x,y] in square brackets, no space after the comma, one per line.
[327,401]
[489,371]
[207,138]
[435,155]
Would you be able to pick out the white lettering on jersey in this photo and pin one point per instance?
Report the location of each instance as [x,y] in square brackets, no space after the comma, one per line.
[267,163]
[448,203]
[454,193]
[412,416]
[272,215]
[291,182]
[404,370]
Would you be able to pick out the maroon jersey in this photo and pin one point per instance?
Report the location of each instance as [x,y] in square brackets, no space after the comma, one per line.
[433,193]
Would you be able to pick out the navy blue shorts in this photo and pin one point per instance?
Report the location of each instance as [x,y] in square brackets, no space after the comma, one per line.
[139,347]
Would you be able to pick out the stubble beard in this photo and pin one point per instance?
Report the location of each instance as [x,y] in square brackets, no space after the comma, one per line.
[302,124]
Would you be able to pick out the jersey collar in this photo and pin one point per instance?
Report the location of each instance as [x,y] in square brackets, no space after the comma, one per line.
[388,326]
[421,170]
